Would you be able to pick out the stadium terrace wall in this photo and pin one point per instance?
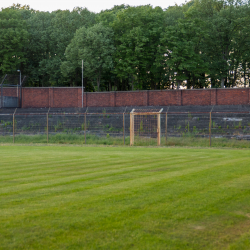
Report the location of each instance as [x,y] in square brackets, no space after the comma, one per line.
[72,97]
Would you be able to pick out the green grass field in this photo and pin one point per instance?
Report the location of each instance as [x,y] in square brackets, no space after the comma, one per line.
[72,197]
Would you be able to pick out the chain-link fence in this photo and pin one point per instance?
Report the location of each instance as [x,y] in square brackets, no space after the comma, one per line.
[10,91]
[202,128]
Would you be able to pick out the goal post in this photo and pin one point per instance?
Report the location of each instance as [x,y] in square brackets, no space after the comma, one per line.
[145,123]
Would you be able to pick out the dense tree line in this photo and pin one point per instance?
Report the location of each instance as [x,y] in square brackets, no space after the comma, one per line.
[202,43]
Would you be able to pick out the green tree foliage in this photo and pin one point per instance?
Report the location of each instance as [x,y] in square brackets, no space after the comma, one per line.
[13,40]
[225,44]
[137,37]
[199,44]
[95,47]
[51,33]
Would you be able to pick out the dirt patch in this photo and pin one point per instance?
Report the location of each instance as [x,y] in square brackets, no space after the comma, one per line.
[199,227]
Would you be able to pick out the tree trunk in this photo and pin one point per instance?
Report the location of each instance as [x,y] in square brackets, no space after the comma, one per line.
[132,83]
[110,86]
[98,81]
[178,83]
[234,80]
[222,82]
[244,78]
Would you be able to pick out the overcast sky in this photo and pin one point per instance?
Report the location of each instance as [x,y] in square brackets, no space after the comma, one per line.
[92,5]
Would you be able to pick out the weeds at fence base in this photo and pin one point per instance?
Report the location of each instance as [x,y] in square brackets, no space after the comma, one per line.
[204,142]
[61,138]
[190,141]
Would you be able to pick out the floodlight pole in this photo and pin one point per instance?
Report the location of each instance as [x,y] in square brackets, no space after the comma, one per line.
[20,76]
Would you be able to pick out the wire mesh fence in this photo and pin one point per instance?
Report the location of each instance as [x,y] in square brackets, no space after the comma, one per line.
[145,130]
[10,91]
[197,128]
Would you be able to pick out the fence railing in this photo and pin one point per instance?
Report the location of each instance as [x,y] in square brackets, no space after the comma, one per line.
[202,128]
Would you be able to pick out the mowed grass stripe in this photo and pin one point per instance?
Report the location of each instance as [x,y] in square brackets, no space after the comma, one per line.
[147,198]
[53,171]
[86,164]
[93,180]
[90,182]
[70,187]
[46,182]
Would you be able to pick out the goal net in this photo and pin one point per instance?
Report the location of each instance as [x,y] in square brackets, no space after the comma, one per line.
[145,127]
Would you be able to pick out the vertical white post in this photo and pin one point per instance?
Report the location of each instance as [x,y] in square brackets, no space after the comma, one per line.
[131,129]
[159,129]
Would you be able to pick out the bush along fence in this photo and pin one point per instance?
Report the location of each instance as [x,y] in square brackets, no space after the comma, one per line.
[175,128]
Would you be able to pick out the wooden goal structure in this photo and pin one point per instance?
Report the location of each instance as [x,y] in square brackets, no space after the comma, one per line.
[145,125]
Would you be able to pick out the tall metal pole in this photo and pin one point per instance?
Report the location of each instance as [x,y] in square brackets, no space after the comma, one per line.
[82,83]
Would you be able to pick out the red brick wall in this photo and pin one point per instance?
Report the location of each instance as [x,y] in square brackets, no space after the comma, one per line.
[35,98]
[164,98]
[130,98]
[232,96]
[72,97]
[196,97]
[100,99]
[65,97]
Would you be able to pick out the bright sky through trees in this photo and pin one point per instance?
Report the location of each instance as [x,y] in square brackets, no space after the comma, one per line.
[94,5]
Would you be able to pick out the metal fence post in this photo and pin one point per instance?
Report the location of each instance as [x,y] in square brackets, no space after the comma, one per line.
[85,126]
[166,127]
[123,128]
[14,128]
[132,129]
[158,129]
[47,127]
[210,125]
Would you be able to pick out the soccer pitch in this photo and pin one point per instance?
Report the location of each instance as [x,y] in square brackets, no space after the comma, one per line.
[68,197]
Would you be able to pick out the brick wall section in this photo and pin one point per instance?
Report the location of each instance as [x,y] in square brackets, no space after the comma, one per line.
[145,98]
[232,96]
[72,97]
[100,99]
[213,97]
[51,97]
[35,98]
[164,98]
[130,98]
[79,97]
[65,97]
[113,99]
[196,97]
